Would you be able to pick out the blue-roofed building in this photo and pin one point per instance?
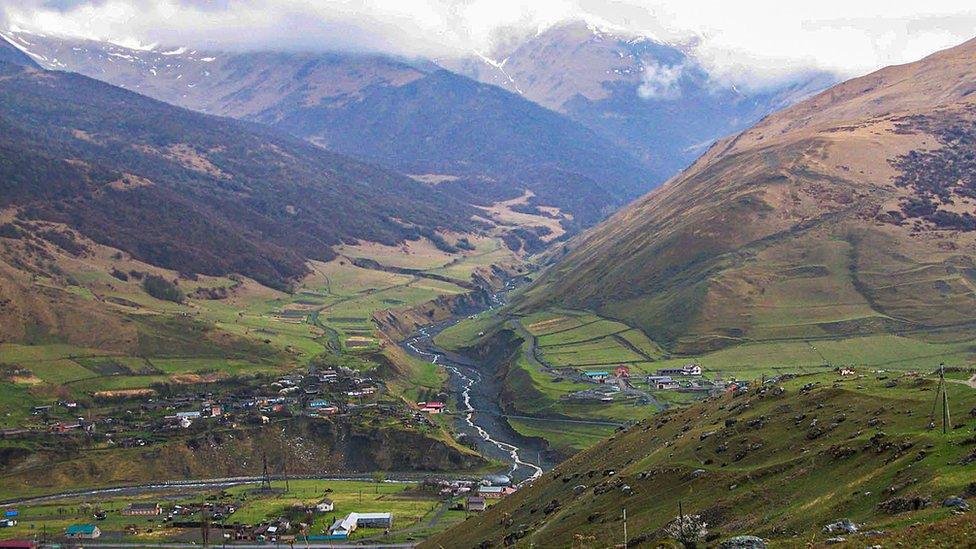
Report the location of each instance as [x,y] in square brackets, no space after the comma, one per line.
[82,531]
[597,376]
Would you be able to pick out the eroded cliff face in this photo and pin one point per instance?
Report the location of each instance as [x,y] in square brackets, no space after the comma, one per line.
[302,446]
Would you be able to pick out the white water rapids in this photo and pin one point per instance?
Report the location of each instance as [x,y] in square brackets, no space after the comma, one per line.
[469,411]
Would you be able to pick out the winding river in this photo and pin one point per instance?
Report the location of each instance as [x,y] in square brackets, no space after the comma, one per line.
[477,393]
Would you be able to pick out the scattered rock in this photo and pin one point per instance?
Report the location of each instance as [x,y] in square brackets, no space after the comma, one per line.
[904,504]
[834,541]
[841,526]
[743,542]
[957,503]
[579,489]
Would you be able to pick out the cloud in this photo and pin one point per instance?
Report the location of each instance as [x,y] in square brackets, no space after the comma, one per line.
[661,81]
[749,42]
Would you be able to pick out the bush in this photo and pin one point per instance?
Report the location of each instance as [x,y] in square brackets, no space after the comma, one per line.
[465,244]
[160,288]
[119,274]
[9,230]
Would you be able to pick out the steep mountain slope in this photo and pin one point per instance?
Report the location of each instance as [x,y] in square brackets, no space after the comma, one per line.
[779,461]
[426,126]
[851,212]
[12,55]
[191,192]
[409,116]
[651,98]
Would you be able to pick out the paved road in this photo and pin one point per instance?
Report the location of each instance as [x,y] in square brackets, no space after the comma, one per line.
[203,484]
[310,545]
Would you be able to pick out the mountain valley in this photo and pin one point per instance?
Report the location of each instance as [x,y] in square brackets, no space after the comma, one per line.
[578,290]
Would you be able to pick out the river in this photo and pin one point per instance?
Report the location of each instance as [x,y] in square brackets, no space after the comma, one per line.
[477,393]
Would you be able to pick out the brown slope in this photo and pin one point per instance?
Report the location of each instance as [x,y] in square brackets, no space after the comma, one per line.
[851,212]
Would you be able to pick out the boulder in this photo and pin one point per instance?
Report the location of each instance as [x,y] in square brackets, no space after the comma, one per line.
[957,503]
[743,542]
[841,526]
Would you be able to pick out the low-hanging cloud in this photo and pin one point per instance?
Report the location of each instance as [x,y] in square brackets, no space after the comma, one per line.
[749,42]
[661,81]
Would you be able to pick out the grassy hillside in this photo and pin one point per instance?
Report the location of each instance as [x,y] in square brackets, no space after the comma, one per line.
[778,461]
[191,192]
[848,214]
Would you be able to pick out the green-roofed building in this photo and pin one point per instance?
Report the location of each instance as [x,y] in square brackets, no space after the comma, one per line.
[82,531]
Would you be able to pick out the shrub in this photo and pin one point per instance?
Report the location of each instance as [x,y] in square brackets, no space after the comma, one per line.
[119,274]
[160,288]
[9,230]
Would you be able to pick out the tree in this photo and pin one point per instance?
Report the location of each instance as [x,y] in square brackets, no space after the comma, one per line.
[687,529]
[160,288]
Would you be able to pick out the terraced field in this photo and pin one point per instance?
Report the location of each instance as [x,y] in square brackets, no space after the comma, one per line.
[248,330]
[559,343]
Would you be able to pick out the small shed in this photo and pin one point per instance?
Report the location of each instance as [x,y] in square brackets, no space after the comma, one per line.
[476,504]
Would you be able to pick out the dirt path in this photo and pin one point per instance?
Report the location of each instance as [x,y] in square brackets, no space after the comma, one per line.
[971,382]
[537,361]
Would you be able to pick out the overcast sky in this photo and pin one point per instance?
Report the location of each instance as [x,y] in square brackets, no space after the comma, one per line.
[740,39]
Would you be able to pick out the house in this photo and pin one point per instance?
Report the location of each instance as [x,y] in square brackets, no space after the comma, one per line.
[686,370]
[431,407]
[324,506]
[341,528]
[190,415]
[142,510]
[374,520]
[495,492]
[662,382]
[82,531]
[475,504]
[596,376]
[316,404]
[621,372]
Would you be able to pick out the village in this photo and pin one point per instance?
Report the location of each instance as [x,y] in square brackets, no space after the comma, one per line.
[302,510]
[154,416]
[622,382]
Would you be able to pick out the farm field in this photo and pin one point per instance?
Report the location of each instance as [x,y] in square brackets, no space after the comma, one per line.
[559,342]
[412,510]
[250,330]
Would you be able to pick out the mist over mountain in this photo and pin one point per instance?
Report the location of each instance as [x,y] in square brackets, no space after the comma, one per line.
[849,213]
[653,99]
[410,116]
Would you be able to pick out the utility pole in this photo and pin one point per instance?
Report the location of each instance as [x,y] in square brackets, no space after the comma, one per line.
[941,398]
[284,468]
[681,522]
[266,480]
[204,527]
[625,528]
